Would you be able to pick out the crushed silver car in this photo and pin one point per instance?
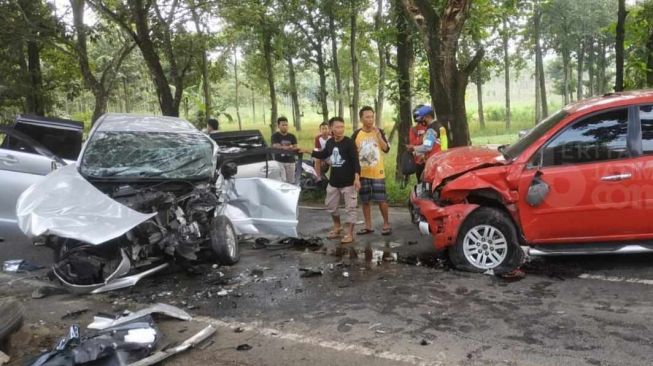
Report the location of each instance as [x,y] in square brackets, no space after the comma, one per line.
[147,190]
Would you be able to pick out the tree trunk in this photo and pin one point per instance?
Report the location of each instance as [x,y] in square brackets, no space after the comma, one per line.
[335,65]
[125,94]
[139,11]
[101,102]
[35,100]
[269,67]
[206,85]
[579,71]
[506,71]
[405,60]
[479,98]
[240,123]
[321,70]
[600,82]
[539,62]
[538,97]
[380,94]
[590,67]
[649,61]
[619,46]
[355,72]
[565,76]
[294,95]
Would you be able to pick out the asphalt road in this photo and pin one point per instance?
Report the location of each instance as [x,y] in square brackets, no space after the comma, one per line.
[364,310]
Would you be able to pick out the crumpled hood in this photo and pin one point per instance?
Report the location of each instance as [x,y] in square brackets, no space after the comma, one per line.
[460,160]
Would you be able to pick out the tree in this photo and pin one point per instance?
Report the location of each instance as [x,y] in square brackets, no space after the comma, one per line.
[638,68]
[619,46]
[381,43]
[159,38]
[441,26]
[334,15]
[204,62]
[355,71]
[101,86]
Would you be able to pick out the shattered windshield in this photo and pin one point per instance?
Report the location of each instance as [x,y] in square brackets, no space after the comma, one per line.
[148,154]
[533,135]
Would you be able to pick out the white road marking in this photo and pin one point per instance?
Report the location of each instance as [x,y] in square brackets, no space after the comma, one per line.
[314,341]
[640,281]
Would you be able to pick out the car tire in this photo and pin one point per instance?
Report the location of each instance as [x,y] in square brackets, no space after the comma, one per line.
[224,241]
[11,319]
[487,240]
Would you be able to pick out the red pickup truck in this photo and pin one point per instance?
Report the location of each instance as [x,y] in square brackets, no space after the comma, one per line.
[580,182]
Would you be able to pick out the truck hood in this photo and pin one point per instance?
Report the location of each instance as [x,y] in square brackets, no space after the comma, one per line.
[457,161]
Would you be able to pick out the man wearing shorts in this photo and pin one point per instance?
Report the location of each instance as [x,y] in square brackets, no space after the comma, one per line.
[372,144]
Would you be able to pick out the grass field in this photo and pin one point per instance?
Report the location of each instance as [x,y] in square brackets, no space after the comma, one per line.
[495,132]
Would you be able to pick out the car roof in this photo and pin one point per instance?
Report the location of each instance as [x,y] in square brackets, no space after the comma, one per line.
[620,98]
[126,122]
[49,122]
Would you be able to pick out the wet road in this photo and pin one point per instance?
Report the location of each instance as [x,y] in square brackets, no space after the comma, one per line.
[355,307]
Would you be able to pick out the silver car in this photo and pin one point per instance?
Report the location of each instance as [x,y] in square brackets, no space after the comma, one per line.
[30,149]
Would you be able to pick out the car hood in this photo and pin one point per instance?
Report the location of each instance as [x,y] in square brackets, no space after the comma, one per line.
[457,161]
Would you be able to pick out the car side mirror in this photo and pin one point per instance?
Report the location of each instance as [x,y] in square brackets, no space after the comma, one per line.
[537,191]
[229,169]
[54,165]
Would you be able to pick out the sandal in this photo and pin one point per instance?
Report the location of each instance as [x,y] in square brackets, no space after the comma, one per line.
[387,231]
[347,239]
[333,234]
[364,231]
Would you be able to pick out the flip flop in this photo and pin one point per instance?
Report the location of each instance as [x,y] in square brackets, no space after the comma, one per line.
[386,232]
[364,231]
[333,234]
[347,239]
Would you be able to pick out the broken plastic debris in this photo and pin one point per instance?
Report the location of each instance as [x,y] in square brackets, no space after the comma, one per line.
[223,293]
[142,335]
[345,274]
[169,310]
[19,265]
[193,341]
[4,358]
[244,347]
[311,272]
[424,342]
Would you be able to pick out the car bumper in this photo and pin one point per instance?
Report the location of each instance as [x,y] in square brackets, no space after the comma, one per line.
[440,222]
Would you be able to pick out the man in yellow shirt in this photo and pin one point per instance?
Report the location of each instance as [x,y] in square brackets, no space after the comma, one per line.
[371,145]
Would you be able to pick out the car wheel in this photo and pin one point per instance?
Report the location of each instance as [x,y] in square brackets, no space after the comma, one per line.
[224,241]
[487,240]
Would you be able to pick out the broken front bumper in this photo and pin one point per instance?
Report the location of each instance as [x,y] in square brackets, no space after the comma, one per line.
[440,222]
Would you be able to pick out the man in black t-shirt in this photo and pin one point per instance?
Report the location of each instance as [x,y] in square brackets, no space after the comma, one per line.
[282,139]
[344,180]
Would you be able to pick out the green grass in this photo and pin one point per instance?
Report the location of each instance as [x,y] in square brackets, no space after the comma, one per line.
[494,133]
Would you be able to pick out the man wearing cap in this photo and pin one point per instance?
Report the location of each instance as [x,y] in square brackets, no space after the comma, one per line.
[424,138]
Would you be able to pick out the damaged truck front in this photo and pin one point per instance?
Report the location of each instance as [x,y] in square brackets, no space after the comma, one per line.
[146,191]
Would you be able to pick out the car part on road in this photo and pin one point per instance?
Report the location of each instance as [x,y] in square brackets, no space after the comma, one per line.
[191,342]
[19,265]
[11,319]
[244,347]
[101,323]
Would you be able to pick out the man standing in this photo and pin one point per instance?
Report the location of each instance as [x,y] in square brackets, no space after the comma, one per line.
[320,143]
[423,138]
[282,139]
[344,180]
[372,144]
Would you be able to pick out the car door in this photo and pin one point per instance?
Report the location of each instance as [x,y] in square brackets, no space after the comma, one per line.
[263,206]
[644,163]
[22,163]
[590,175]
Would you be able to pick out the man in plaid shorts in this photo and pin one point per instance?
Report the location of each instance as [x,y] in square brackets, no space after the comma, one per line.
[371,145]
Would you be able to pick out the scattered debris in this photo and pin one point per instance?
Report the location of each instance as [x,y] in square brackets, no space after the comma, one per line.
[411,242]
[223,293]
[424,342]
[187,344]
[311,272]
[244,347]
[20,265]
[345,274]
[513,276]
[74,314]
[101,322]
[4,359]
[313,243]
[239,330]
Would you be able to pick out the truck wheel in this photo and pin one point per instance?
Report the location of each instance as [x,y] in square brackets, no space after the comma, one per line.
[487,240]
[224,241]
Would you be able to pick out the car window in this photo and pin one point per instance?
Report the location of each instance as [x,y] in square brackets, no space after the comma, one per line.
[599,137]
[646,116]
[64,143]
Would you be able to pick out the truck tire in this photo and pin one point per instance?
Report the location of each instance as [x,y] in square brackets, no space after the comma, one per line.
[487,240]
[224,241]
